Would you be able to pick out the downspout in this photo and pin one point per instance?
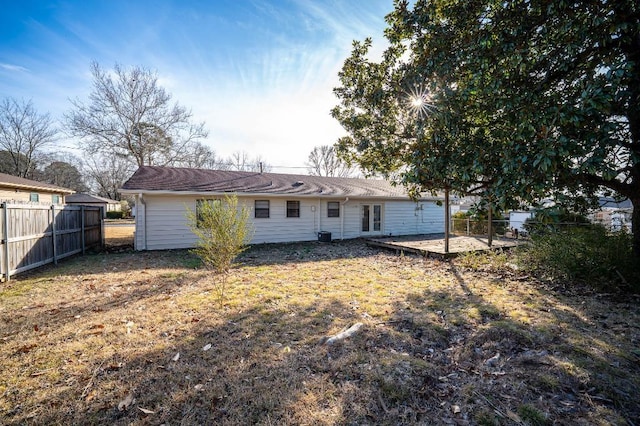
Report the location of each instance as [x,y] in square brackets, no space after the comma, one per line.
[344,212]
[144,231]
[319,215]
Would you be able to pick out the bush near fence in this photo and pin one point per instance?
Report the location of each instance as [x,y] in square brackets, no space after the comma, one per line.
[115,215]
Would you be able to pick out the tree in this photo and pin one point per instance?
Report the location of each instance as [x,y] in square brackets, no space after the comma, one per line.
[23,135]
[108,174]
[131,116]
[64,174]
[241,161]
[198,156]
[519,100]
[223,230]
[323,161]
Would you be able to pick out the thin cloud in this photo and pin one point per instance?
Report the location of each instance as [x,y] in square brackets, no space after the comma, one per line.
[13,68]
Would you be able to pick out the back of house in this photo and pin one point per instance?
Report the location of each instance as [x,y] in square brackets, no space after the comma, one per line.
[285,207]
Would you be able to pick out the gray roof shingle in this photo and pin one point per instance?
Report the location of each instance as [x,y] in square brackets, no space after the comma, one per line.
[174,179]
[87,198]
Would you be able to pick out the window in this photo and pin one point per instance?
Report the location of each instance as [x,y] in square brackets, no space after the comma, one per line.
[261,209]
[199,207]
[55,199]
[34,197]
[333,209]
[293,208]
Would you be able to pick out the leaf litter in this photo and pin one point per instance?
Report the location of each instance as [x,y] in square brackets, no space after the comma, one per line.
[440,343]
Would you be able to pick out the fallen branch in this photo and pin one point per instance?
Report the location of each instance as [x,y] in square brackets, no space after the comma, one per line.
[344,334]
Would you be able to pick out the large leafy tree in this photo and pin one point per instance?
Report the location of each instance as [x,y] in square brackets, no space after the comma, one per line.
[64,174]
[517,100]
[130,115]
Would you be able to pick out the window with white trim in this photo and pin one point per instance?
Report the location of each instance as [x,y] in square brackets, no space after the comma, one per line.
[333,209]
[261,209]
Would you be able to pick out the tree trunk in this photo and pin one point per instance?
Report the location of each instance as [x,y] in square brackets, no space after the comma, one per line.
[490,227]
[635,226]
[447,220]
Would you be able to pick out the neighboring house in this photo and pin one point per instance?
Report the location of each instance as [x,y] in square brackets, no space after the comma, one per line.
[517,220]
[613,214]
[107,204]
[284,208]
[21,190]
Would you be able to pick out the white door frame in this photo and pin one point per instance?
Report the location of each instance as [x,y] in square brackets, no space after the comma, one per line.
[371,219]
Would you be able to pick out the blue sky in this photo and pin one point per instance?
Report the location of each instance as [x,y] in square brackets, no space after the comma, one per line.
[259,73]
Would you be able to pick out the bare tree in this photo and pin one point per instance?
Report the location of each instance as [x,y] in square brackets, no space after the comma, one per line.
[107,174]
[323,161]
[198,156]
[23,135]
[131,116]
[241,161]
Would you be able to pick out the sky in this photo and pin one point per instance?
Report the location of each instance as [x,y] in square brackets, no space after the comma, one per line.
[259,73]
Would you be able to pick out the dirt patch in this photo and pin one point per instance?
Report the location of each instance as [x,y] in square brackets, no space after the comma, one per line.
[138,338]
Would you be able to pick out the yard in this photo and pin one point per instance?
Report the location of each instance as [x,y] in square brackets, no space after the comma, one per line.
[140,338]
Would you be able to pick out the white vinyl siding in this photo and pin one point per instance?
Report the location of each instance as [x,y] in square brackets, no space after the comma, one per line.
[410,218]
[167,227]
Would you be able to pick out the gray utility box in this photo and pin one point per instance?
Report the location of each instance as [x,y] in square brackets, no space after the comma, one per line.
[324,237]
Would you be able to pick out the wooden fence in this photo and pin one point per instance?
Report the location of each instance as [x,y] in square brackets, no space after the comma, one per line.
[34,235]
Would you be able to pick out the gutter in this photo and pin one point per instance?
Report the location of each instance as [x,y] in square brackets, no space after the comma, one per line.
[324,195]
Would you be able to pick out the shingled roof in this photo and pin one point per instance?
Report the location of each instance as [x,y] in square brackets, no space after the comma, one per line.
[87,198]
[22,183]
[153,179]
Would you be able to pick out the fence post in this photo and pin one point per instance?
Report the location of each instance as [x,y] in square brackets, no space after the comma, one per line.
[53,234]
[468,225]
[5,209]
[82,227]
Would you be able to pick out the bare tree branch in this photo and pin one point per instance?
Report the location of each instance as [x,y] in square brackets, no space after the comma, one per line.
[23,135]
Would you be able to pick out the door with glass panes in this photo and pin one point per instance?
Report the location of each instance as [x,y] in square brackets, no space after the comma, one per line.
[370,219]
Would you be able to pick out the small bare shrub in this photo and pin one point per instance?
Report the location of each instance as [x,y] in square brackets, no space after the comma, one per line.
[223,230]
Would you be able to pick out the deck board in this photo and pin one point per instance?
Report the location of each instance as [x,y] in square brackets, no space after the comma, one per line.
[433,244]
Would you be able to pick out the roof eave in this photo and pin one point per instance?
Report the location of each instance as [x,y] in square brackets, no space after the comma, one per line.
[37,188]
[271,194]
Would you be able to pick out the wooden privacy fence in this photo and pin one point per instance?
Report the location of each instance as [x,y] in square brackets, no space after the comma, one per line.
[34,235]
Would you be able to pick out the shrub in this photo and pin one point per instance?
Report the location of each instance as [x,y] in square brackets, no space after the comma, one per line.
[585,253]
[115,215]
[223,230]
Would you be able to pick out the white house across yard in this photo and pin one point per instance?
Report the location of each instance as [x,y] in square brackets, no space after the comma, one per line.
[284,207]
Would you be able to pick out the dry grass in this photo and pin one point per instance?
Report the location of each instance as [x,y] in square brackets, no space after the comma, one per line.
[118,236]
[120,339]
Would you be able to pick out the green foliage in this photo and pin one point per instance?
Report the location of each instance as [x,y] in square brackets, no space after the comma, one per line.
[585,253]
[532,416]
[554,218]
[115,215]
[223,229]
[514,101]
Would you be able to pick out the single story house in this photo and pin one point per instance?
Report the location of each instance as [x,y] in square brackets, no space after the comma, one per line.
[21,190]
[107,204]
[613,214]
[285,207]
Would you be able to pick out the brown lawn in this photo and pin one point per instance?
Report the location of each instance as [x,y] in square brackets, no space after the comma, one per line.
[140,338]
[118,236]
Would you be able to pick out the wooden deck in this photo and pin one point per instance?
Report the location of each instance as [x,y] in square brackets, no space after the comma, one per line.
[433,244]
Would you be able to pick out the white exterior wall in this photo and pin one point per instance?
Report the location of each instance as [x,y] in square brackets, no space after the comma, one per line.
[410,218]
[163,217]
